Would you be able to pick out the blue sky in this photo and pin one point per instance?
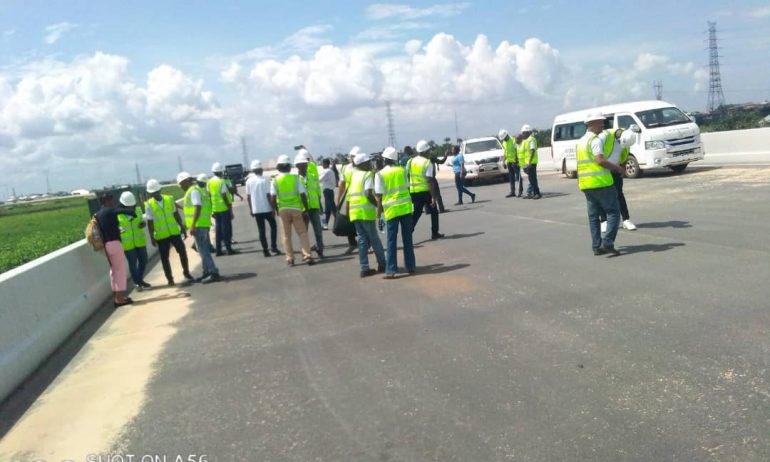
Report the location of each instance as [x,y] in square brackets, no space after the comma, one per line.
[93,87]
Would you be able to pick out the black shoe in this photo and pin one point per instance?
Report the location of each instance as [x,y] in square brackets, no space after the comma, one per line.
[310,262]
[313,248]
[144,285]
[369,272]
[537,196]
[528,196]
[473,198]
[436,236]
[213,277]
[458,203]
[519,194]
[127,302]
[380,268]
[510,195]
[610,250]
[232,252]
[219,254]
[266,253]
[599,251]
[411,271]
[189,277]
[275,251]
[170,282]
[320,253]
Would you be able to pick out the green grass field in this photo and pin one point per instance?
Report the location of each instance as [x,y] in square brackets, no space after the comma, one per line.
[31,230]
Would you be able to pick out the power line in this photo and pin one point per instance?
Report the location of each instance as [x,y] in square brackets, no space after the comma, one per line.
[716,98]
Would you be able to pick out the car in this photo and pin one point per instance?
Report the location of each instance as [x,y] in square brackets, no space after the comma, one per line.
[483,158]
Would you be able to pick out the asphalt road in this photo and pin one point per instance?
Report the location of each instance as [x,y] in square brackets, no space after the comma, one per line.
[512,342]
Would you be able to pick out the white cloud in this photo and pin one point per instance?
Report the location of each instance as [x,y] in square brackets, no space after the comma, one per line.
[54,32]
[760,12]
[412,46]
[379,11]
[9,32]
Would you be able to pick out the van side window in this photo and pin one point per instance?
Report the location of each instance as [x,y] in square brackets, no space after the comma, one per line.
[625,121]
[608,121]
[569,132]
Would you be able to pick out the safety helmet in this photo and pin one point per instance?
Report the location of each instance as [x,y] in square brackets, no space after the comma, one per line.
[127,198]
[217,168]
[183,176]
[593,117]
[301,157]
[354,150]
[627,138]
[202,178]
[255,164]
[526,128]
[360,158]
[283,159]
[502,134]
[153,186]
[422,146]
[390,153]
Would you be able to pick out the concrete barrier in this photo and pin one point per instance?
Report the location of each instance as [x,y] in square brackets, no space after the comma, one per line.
[43,302]
[753,142]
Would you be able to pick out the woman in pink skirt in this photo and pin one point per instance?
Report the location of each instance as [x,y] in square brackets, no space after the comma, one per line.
[107,217]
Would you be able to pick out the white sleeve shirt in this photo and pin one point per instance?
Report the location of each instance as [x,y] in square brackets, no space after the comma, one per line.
[195,198]
[379,184]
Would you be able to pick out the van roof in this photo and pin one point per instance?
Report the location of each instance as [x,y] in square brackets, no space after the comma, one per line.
[634,106]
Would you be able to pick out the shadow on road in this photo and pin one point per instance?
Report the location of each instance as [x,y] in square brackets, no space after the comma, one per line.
[160,298]
[550,195]
[665,224]
[691,170]
[438,268]
[451,237]
[632,249]
[237,277]
[465,208]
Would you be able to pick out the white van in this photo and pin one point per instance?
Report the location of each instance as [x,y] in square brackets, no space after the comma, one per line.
[668,138]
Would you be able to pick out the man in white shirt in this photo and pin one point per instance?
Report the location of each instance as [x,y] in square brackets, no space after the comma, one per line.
[619,155]
[257,192]
[328,183]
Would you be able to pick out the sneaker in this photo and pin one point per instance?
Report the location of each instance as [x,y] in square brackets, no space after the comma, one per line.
[325,228]
[473,198]
[266,253]
[232,252]
[389,276]
[603,226]
[351,249]
[213,277]
[629,225]
[436,236]
[599,251]
[537,196]
[609,250]
[170,282]
[412,271]
[219,254]
[144,285]
[458,203]
[368,272]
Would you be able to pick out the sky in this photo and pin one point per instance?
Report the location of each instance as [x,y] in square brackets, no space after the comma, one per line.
[90,89]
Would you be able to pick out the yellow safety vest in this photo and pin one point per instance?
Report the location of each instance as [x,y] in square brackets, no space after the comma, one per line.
[204,218]
[229,185]
[214,186]
[287,187]
[527,151]
[590,174]
[417,168]
[609,145]
[164,225]
[313,186]
[509,147]
[361,208]
[346,171]
[396,200]
[131,234]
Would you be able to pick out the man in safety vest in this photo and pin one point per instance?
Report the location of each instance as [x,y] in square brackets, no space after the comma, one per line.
[362,210]
[197,218]
[520,156]
[222,207]
[166,229]
[134,240]
[288,198]
[395,203]
[529,145]
[596,182]
[346,171]
[511,159]
[618,143]
[422,188]
[308,172]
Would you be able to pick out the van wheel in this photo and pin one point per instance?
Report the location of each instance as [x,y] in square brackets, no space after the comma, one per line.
[632,167]
[567,173]
[678,168]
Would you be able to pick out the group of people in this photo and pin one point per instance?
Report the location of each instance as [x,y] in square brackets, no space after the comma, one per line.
[520,155]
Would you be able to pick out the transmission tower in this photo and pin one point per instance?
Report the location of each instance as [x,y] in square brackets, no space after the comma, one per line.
[716,97]
[391,129]
[245,156]
[179,161]
[138,175]
[657,85]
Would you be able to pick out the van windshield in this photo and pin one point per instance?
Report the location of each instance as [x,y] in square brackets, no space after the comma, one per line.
[482,146]
[662,117]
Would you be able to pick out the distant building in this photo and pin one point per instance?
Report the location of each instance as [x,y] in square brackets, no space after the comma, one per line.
[80,192]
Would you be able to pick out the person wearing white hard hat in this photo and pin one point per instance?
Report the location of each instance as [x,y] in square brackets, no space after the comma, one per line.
[510,157]
[197,219]
[362,210]
[222,206]
[288,198]
[529,145]
[422,187]
[313,191]
[458,168]
[620,142]
[596,181]
[395,204]
[346,171]
[134,240]
[166,229]
[107,218]
[328,182]
[258,197]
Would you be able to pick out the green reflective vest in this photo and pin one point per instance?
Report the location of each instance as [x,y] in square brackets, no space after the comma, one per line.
[346,172]
[313,186]
[204,218]
[525,146]
[590,174]
[164,225]
[214,186]
[396,200]
[609,145]
[361,208]
[131,233]
[509,147]
[229,185]
[287,187]
[417,169]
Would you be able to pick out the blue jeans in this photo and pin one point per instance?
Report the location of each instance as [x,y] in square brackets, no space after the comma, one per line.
[461,188]
[204,250]
[224,230]
[406,239]
[603,200]
[532,187]
[367,237]
[137,262]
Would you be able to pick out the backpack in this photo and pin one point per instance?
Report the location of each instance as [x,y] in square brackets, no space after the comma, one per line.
[94,234]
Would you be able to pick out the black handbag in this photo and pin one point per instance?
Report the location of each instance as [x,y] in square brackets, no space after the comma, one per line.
[343,227]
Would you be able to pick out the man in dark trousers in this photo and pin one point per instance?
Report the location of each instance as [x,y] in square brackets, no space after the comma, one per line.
[422,186]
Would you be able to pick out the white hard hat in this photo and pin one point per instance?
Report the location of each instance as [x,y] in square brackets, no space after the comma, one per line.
[354,150]
[255,164]
[627,139]
[183,176]
[502,134]
[153,186]
[301,157]
[127,198]
[593,116]
[217,168]
[202,178]
[304,152]
[360,158]
[526,128]
[422,146]
[283,159]
[390,153]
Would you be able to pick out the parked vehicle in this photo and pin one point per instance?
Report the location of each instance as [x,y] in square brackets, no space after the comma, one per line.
[235,173]
[483,158]
[668,138]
